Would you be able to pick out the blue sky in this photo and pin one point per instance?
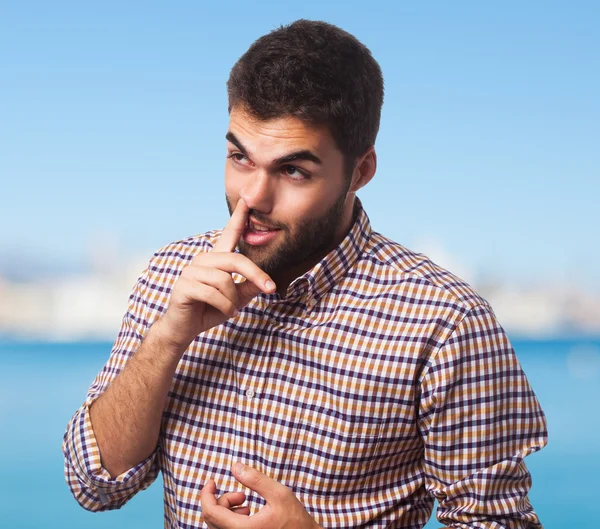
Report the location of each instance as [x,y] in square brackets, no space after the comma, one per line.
[113,118]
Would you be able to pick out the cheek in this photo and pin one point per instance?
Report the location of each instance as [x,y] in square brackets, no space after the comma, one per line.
[295,206]
[232,186]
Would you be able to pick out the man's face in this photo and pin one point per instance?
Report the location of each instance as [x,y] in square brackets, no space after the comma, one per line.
[291,176]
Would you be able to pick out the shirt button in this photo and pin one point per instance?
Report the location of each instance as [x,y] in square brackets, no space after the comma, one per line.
[249,393]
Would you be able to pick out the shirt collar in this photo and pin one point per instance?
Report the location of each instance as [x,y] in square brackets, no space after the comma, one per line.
[314,284]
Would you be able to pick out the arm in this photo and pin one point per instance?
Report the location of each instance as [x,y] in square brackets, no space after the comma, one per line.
[111,442]
[91,484]
[479,418]
[126,417]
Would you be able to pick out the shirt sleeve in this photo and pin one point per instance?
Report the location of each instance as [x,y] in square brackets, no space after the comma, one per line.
[90,483]
[479,419]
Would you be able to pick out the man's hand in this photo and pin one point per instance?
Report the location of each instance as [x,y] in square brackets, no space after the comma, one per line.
[205,294]
[282,510]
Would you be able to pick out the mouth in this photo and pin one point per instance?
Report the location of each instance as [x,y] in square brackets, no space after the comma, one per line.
[254,225]
[258,234]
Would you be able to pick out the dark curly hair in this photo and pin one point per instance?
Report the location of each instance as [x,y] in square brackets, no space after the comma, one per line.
[318,73]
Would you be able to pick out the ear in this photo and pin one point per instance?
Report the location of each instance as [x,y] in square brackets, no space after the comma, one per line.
[364,169]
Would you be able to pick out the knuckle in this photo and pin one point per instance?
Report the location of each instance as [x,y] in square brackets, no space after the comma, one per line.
[185,271]
[191,272]
[196,260]
[222,279]
[212,295]
[181,287]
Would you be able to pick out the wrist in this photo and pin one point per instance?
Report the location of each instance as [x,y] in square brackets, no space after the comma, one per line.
[163,340]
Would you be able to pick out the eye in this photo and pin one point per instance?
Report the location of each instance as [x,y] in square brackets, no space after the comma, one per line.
[294,172]
[237,157]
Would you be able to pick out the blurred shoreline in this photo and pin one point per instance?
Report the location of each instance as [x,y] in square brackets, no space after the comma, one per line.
[88,306]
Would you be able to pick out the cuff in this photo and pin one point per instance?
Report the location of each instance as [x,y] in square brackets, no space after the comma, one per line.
[82,453]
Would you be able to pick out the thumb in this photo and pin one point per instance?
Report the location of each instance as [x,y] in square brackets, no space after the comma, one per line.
[257,481]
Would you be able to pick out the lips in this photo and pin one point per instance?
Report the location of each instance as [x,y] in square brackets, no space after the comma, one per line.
[258,234]
[256,227]
[253,225]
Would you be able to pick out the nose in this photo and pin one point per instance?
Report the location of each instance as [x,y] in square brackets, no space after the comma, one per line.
[258,192]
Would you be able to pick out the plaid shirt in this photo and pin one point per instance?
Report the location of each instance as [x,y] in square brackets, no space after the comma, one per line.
[380,382]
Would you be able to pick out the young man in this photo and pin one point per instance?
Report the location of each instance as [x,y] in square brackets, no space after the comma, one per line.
[299,367]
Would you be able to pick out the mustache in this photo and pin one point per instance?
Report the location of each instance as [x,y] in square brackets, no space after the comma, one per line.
[264,219]
[260,217]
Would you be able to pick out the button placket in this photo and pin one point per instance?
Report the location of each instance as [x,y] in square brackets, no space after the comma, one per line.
[251,383]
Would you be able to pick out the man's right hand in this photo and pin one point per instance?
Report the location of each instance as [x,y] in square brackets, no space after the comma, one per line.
[205,294]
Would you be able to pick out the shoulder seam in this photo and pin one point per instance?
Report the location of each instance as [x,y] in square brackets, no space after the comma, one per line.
[431,360]
[468,301]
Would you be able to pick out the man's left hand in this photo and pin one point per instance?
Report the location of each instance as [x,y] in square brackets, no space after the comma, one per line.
[282,509]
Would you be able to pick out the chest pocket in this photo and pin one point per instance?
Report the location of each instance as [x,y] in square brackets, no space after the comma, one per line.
[335,452]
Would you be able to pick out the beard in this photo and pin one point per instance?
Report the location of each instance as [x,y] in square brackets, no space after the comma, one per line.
[306,243]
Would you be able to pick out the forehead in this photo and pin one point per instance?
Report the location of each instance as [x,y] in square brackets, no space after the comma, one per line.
[280,135]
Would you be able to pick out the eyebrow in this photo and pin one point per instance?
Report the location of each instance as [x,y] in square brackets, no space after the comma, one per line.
[304,154]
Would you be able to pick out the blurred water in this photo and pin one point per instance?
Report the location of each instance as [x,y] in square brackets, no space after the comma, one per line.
[41,386]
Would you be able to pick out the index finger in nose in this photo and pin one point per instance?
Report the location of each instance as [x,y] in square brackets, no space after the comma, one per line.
[234,229]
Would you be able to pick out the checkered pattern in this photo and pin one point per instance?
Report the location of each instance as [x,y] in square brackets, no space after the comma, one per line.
[379,382]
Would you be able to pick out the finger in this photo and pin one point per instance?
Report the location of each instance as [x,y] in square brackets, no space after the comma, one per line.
[238,263]
[215,278]
[234,230]
[216,515]
[231,499]
[208,503]
[260,483]
[246,292]
[211,296]
[207,494]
